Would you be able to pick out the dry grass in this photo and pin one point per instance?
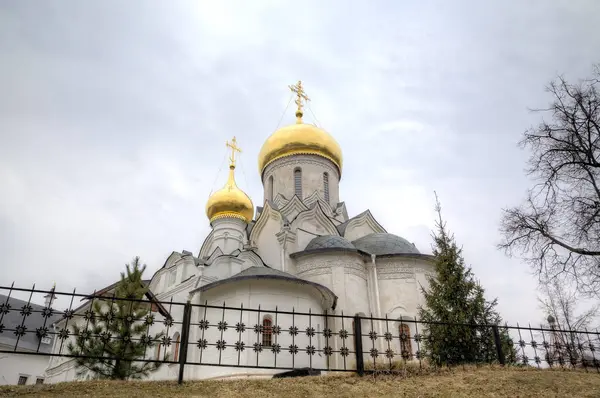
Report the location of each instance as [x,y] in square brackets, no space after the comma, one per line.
[482,382]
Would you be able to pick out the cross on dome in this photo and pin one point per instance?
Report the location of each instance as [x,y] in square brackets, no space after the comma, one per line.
[301,98]
[234,149]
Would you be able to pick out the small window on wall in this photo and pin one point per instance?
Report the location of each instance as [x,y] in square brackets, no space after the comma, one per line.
[39,380]
[405,343]
[22,380]
[298,182]
[267,332]
[158,351]
[271,188]
[326,186]
[176,341]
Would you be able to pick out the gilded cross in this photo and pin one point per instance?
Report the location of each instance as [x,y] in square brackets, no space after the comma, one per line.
[301,98]
[234,149]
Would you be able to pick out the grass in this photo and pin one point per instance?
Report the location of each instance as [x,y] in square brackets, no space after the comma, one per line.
[469,382]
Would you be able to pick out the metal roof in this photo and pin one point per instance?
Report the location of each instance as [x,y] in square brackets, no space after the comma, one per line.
[329,242]
[384,244]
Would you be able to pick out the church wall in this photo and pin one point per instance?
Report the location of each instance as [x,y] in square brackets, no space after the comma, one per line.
[303,238]
[224,267]
[356,230]
[268,247]
[14,365]
[343,273]
[399,281]
[312,168]
[268,294]
[229,234]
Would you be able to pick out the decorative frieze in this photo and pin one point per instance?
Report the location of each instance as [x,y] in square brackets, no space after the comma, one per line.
[358,272]
[396,272]
[314,271]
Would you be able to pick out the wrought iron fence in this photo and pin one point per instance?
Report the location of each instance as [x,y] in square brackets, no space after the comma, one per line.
[216,336]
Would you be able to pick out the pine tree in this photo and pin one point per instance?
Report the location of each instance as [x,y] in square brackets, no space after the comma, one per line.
[454,297]
[115,333]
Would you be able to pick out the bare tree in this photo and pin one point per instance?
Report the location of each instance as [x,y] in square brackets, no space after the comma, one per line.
[559,300]
[557,228]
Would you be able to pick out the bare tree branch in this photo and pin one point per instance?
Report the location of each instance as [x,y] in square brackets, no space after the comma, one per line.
[557,228]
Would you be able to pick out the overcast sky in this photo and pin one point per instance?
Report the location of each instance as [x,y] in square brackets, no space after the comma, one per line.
[114,115]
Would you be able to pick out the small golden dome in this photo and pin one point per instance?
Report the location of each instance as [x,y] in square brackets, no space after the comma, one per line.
[299,139]
[230,201]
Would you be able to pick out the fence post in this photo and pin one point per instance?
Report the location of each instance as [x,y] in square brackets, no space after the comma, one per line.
[499,350]
[360,362]
[185,332]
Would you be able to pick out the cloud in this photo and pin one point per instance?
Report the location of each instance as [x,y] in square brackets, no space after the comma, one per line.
[113,118]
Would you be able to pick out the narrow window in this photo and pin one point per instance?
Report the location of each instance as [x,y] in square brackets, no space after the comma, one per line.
[326,186]
[405,343]
[176,341]
[318,336]
[158,347]
[298,183]
[39,380]
[22,380]
[271,188]
[267,332]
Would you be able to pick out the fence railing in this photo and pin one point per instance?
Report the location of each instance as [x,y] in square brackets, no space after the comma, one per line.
[200,338]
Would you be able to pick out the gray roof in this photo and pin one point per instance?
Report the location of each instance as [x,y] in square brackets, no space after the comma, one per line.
[262,271]
[13,319]
[385,244]
[329,242]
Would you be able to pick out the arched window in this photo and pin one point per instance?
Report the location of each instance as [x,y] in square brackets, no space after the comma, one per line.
[326,186]
[267,332]
[405,343]
[175,349]
[271,188]
[158,347]
[298,182]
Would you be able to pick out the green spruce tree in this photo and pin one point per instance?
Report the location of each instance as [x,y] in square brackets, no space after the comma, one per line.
[455,299]
[114,333]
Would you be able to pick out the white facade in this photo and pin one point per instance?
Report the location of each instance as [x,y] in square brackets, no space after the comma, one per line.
[301,252]
[14,366]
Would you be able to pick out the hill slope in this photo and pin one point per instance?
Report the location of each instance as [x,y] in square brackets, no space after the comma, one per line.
[457,383]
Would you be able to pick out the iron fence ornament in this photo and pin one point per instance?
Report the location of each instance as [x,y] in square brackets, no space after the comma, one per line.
[290,339]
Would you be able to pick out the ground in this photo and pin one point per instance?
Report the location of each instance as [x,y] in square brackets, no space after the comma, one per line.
[482,382]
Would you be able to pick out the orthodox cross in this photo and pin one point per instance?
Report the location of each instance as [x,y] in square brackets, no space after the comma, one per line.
[301,98]
[234,149]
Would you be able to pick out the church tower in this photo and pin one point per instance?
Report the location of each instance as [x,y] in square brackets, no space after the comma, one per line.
[229,210]
[301,159]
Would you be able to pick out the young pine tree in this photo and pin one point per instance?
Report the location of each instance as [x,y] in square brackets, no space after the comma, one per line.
[454,297]
[115,333]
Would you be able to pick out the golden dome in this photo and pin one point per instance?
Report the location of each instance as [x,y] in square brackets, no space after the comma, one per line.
[230,201]
[299,139]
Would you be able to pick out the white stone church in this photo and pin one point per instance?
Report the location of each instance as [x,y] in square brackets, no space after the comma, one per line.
[299,251]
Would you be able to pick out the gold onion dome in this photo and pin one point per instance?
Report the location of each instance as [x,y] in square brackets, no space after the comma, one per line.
[299,139]
[230,201]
